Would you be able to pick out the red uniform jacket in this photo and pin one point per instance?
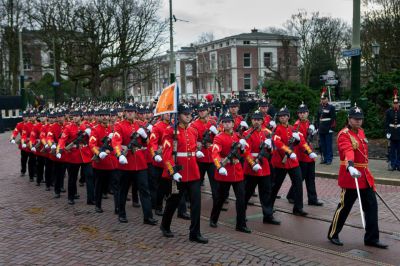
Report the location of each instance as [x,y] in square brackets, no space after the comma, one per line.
[304,149]
[34,138]
[77,154]
[186,153]
[53,135]
[281,142]
[25,136]
[18,130]
[201,127]
[236,120]
[122,136]
[155,141]
[255,141]
[221,149]
[354,147]
[267,119]
[110,162]
[147,153]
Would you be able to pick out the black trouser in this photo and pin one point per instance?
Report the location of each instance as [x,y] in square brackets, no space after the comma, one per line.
[24,160]
[369,206]
[140,178]
[31,165]
[101,178]
[308,174]
[223,190]
[49,172]
[115,185]
[295,177]
[135,196]
[160,190]
[73,170]
[152,185]
[264,190]
[40,164]
[192,189]
[59,172]
[165,188]
[209,168]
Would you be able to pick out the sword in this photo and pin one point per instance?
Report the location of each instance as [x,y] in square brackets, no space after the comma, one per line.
[359,201]
[387,206]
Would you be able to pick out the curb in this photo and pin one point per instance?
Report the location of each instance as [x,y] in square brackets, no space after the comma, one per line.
[381,181]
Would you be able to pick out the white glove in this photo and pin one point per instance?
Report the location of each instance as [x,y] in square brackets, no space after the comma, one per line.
[158,158]
[257,167]
[12,141]
[58,155]
[122,159]
[242,143]
[177,177]
[388,135]
[214,130]
[222,171]
[53,147]
[23,146]
[330,131]
[272,124]
[142,133]
[33,149]
[296,135]
[268,142]
[110,136]
[150,128]
[88,131]
[46,146]
[102,155]
[312,128]
[244,124]
[313,155]
[199,154]
[293,156]
[354,172]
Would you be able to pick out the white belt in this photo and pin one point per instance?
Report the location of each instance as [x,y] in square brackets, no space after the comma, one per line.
[393,125]
[325,119]
[185,154]
[254,154]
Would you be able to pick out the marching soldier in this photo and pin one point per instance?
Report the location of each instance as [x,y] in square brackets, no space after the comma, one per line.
[392,126]
[307,162]
[188,178]
[284,160]
[35,146]
[132,164]
[237,119]
[325,124]
[353,153]
[26,132]
[18,130]
[229,172]
[267,119]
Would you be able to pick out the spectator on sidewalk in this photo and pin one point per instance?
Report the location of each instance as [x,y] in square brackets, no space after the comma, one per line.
[392,127]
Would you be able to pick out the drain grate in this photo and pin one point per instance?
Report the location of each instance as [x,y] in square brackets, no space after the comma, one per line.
[359,253]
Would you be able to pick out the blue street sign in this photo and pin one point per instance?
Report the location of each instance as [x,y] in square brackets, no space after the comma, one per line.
[351,52]
[55,84]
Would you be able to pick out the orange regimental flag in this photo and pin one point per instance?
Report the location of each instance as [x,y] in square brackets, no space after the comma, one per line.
[168,100]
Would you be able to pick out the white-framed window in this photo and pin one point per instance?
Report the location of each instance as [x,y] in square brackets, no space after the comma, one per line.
[246,42]
[221,61]
[247,81]
[27,62]
[267,59]
[228,60]
[246,60]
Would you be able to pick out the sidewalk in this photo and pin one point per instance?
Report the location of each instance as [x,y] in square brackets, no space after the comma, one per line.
[378,169]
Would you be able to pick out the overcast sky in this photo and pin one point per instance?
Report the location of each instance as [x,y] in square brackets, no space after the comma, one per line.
[229,17]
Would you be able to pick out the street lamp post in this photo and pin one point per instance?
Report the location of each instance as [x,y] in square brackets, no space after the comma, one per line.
[356,60]
[375,50]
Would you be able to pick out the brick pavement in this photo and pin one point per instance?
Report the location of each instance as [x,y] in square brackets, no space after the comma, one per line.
[39,230]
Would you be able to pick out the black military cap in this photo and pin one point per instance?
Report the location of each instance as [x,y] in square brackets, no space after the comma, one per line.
[263,103]
[113,111]
[257,115]
[302,108]
[102,111]
[234,103]
[52,114]
[141,108]
[227,117]
[25,114]
[202,106]
[184,108]
[148,109]
[283,111]
[130,107]
[355,112]
[75,112]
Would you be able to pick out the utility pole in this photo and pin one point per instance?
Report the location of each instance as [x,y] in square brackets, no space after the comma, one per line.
[171,46]
[55,83]
[21,75]
[355,60]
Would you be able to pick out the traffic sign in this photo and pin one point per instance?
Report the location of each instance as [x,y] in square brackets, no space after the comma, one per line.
[351,52]
[55,84]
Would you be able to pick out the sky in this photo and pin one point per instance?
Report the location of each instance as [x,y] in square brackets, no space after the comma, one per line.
[229,17]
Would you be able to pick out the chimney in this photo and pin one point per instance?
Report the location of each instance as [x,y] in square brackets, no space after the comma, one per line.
[254,30]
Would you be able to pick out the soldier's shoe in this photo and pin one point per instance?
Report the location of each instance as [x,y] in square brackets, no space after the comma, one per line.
[90,202]
[336,241]
[199,239]
[166,232]
[62,190]
[71,202]
[38,184]
[22,174]
[135,204]
[122,219]
[291,201]
[98,210]
[271,220]
[254,194]
[300,212]
[377,244]
[322,162]
[159,212]
[213,224]
[243,229]
[184,216]
[57,196]
[31,179]
[116,211]
[150,221]
[104,196]
[315,203]
[81,184]
[77,196]
[224,209]
[328,163]
[47,188]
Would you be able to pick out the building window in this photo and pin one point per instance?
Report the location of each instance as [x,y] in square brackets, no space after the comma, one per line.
[213,62]
[221,61]
[220,45]
[246,60]
[267,59]
[247,81]
[227,43]
[228,61]
[246,42]
[27,62]
[188,70]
